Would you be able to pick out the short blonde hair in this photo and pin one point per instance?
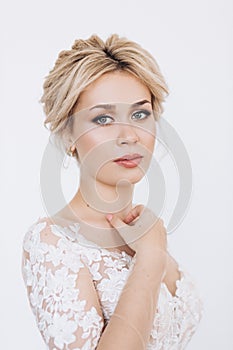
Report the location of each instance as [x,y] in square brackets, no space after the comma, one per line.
[85,62]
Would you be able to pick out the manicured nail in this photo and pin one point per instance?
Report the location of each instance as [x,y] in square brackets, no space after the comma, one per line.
[109,217]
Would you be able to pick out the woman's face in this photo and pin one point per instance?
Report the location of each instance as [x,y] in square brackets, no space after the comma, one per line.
[104,133]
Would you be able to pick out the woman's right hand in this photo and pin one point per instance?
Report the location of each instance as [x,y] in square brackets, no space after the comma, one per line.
[141,230]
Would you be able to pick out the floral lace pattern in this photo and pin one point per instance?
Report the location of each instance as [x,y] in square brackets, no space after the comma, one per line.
[56,261]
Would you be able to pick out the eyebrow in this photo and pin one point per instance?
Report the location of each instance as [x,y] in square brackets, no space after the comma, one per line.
[111,107]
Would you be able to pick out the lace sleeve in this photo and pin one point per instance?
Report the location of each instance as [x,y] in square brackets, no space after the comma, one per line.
[60,290]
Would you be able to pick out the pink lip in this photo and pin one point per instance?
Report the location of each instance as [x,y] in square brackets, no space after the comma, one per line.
[129,157]
[129,161]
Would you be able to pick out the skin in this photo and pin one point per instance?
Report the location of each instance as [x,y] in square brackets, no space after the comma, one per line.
[120,137]
[126,136]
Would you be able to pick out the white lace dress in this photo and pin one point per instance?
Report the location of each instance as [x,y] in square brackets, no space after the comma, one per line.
[56,258]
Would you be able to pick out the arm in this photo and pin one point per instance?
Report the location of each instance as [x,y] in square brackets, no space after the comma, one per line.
[130,325]
[60,291]
[65,302]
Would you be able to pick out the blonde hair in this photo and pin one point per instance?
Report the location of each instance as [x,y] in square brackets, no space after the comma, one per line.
[85,62]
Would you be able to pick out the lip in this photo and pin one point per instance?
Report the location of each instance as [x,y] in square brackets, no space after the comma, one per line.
[129,160]
[128,157]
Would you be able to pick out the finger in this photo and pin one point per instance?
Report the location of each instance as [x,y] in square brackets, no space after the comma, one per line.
[134,213]
[126,231]
[140,227]
[115,221]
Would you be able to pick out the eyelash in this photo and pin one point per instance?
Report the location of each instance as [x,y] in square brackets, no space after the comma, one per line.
[95,120]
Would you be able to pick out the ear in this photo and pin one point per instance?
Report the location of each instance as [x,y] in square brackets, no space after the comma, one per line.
[67,138]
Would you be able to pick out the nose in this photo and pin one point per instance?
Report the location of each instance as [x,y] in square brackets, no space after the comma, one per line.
[127,134]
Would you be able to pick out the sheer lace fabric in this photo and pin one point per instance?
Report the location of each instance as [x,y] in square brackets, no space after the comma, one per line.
[71,314]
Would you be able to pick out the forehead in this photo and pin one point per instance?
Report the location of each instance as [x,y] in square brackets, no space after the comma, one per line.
[114,87]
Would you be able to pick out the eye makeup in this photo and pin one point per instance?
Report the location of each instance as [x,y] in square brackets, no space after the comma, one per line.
[98,118]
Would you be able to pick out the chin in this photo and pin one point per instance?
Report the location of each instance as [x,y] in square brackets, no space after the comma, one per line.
[122,180]
[111,175]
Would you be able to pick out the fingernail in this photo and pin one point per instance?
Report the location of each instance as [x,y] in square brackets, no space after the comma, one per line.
[109,217]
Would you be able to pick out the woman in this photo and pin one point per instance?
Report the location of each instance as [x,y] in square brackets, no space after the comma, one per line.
[98,273]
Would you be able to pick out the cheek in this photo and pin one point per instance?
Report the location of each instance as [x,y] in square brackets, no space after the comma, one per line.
[102,140]
[95,143]
[85,144]
[147,139]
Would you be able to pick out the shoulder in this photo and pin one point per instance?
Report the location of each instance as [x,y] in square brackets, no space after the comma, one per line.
[47,248]
[45,232]
[39,230]
[47,239]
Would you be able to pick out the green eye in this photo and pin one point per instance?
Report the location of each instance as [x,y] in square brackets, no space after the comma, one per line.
[101,120]
[143,114]
[105,120]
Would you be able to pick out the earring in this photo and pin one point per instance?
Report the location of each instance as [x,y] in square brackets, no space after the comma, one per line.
[69,154]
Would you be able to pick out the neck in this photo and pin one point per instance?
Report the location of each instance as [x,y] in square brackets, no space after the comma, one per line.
[95,199]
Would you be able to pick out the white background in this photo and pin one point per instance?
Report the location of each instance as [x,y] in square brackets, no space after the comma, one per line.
[192,42]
